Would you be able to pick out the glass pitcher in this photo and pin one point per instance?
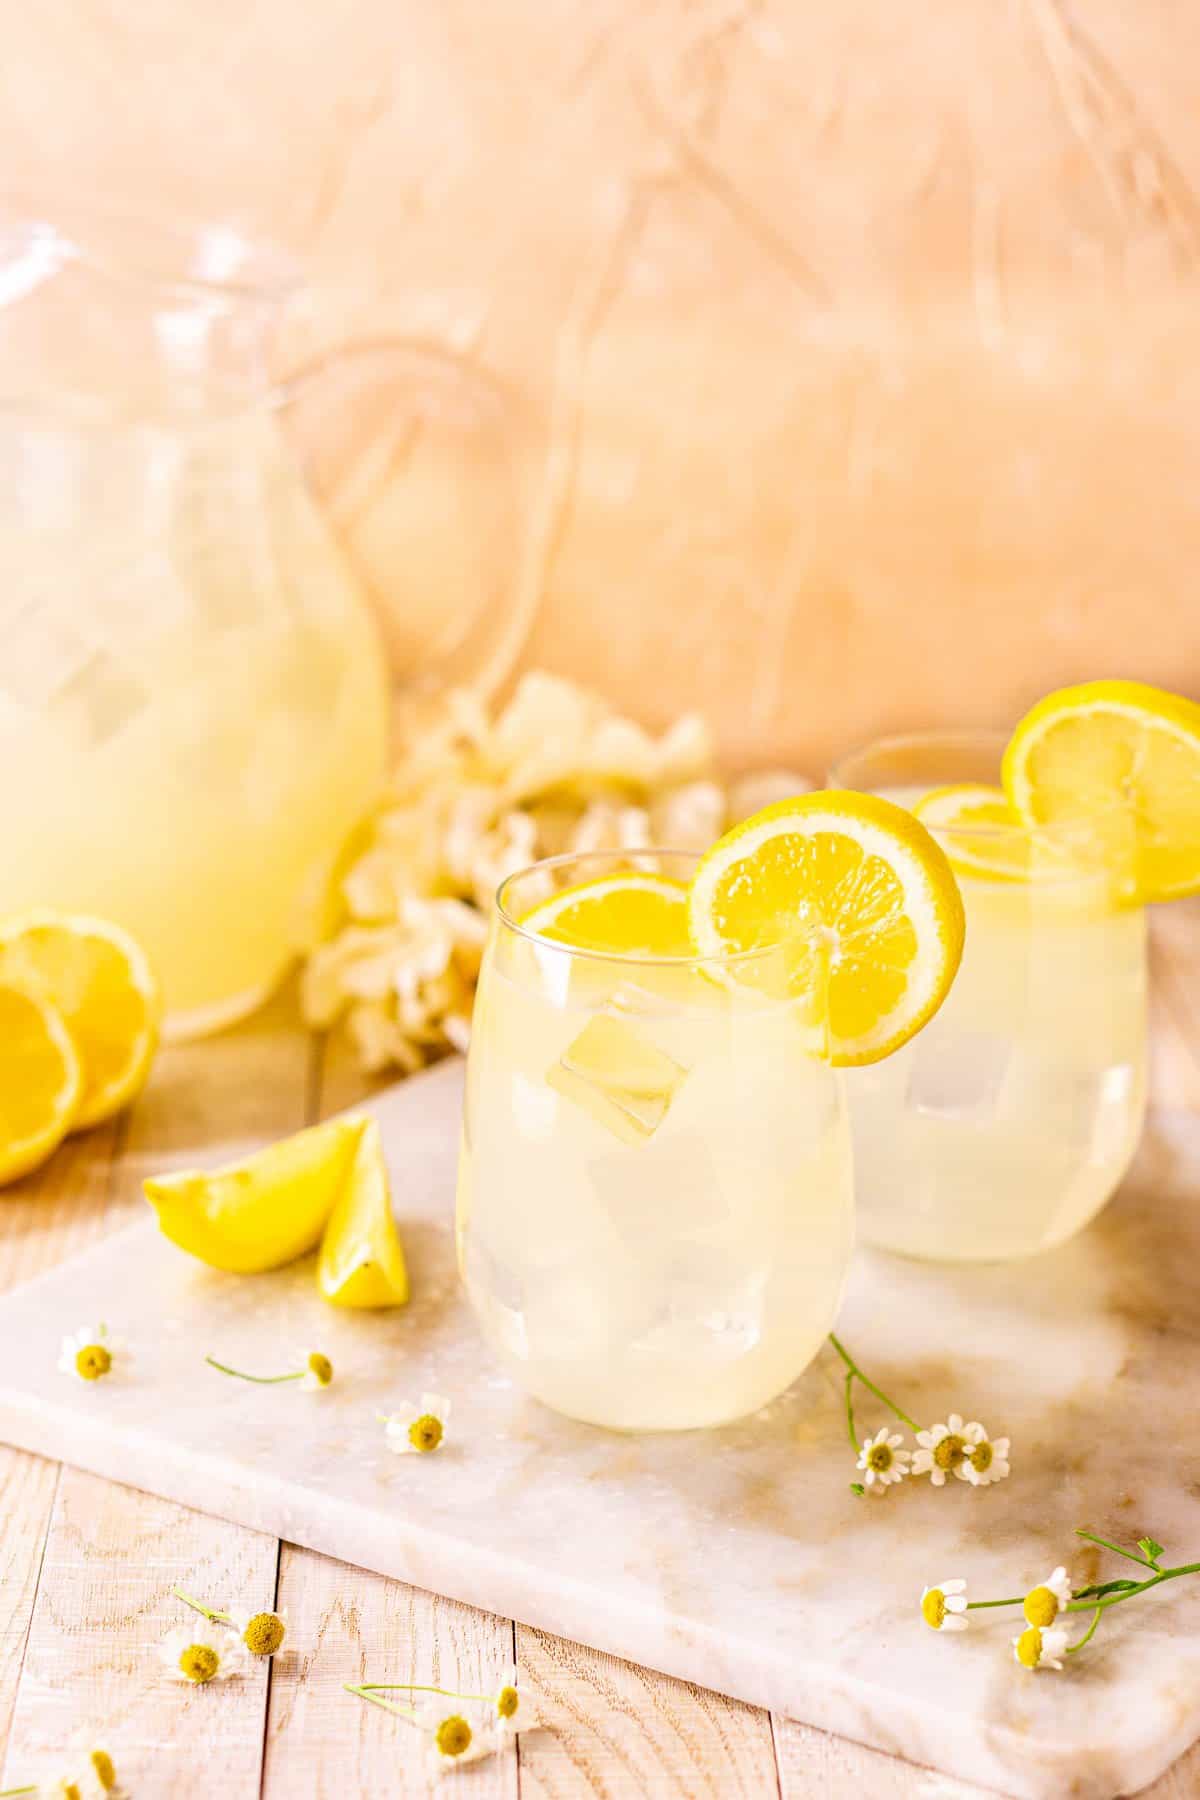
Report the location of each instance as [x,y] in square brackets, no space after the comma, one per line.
[194,701]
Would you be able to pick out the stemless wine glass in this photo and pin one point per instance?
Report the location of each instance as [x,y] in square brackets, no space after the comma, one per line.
[1005,1126]
[655,1209]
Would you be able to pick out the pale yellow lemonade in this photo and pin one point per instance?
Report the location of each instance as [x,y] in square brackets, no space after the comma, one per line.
[655,1193]
[1007,1123]
[194,699]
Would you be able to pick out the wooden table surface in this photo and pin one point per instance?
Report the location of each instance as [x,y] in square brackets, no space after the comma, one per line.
[86,1566]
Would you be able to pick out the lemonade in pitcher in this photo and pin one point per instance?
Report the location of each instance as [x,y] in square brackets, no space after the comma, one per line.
[193,703]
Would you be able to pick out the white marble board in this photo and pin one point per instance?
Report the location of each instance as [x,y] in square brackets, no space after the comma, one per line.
[736,1559]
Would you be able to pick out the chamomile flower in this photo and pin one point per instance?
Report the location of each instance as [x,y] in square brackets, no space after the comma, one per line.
[944,1607]
[985,1459]
[1040,1648]
[97,1764]
[420,1428]
[941,1450]
[882,1460]
[90,1353]
[202,1653]
[512,1711]
[318,1371]
[262,1632]
[1044,1602]
[454,1742]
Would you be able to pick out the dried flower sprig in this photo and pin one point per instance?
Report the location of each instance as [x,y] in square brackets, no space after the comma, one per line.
[316,1374]
[955,1447]
[73,1784]
[262,1633]
[1043,1642]
[453,1741]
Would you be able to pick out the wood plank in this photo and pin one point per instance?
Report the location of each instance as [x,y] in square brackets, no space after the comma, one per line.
[347,1625]
[103,1606]
[620,1731]
[27,1488]
[204,1101]
[813,1762]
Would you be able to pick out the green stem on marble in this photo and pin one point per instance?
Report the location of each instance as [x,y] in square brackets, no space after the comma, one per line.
[1088,1635]
[263,1380]
[853,1374]
[1129,1555]
[11,1793]
[1139,1587]
[209,1613]
[1018,1601]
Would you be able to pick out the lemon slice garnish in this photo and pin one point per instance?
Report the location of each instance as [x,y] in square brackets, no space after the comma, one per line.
[862,903]
[41,1081]
[1124,759]
[97,977]
[628,914]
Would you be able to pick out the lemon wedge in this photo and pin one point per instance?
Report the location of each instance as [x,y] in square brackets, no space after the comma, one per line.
[362,1263]
[861,902]
[1124,758]
[265,1211]
[41,1081]
[628,914]
[98,980]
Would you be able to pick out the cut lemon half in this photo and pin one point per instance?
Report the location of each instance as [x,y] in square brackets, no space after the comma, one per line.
[1124,759]
[630,914]
[987,836]
[98,979]
[362,1263]
[861,902]
[41,1080]
[263,1212]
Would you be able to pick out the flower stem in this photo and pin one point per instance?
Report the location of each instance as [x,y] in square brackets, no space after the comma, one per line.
[1139,1587]
[1088,1635]
[853,1374]
[10,1793]
[364,1693]
[209,1612]
[1018,1601]
[417,1687]
[1129,1555]
[263,1380]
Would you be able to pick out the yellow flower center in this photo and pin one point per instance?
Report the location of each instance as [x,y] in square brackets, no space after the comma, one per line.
[880,1457]
[425,1433]
[103,1769]
[980,1456]
[507,1702]
[321,1367]
[949,1452]
[1029,1648]
[93,1361]
[263,1634]
[199,1662]
[70,1791]
[453,1735]
[933,1608]
[1041,1606]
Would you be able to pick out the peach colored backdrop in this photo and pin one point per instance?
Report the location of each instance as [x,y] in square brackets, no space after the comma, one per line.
[839,365]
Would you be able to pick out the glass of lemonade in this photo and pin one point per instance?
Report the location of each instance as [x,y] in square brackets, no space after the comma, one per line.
[1005,1126]
[655,1188]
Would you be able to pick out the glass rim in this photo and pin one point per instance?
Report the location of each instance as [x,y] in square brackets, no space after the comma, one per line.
[684,960]
[1057,835]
